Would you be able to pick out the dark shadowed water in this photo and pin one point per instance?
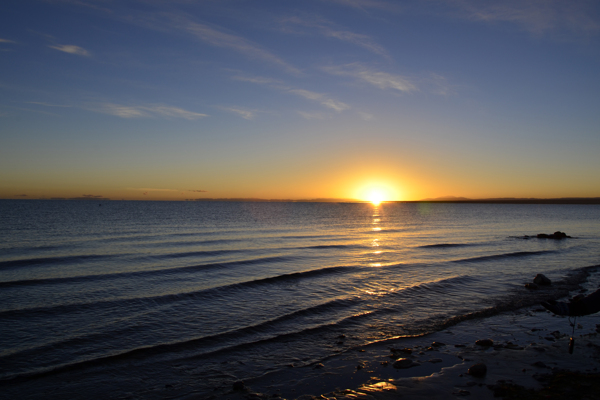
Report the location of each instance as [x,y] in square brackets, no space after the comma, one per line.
[203,293]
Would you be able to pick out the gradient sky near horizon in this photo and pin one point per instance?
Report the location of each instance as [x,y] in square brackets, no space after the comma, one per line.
[185,99]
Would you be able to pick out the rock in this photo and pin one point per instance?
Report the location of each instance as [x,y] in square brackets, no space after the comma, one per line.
[404,350]
[531,286]
[558,235]
[435,360]
[239,385]
[403,363]
[460,345]
[437,344]
[541,279]
[539,364]
[478,370]
[319,366]
[484,342]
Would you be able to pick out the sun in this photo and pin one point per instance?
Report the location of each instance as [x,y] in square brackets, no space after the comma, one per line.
[377,193]
[376,197]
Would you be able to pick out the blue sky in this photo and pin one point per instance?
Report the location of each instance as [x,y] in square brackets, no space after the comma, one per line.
[299,99]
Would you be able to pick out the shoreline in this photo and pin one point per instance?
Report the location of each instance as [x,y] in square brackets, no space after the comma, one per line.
[527,344]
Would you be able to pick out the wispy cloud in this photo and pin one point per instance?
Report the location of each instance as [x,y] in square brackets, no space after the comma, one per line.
[321,98]
[536,16]
[258,80]
[329,29]
[6,41]
[239,44]
[145,111]
[244,113]
[382,80]
[71,49]
[198,191]
[365,116]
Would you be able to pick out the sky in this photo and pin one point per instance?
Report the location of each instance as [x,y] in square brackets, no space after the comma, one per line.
[282,99]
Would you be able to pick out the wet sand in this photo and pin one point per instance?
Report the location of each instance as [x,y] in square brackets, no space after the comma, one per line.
[527,343]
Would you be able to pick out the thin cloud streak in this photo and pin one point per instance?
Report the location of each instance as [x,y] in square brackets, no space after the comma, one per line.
[237,43]
[146,111]
[536,16]
[381,80]
[246,114]
[71,49]
[321,98]
[328,29]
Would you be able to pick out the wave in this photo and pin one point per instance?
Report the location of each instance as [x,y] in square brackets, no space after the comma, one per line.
[163,299]
[155,272]
[28,262]
[335,246]
[219,340]
[506,255]
[445,245]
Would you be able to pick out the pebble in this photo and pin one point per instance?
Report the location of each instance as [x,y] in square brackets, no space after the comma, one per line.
[478,370]
[484,342]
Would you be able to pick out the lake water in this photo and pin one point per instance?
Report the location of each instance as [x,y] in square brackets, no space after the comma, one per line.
[131,296]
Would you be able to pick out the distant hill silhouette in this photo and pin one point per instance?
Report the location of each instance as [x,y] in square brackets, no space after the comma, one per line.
[512,200]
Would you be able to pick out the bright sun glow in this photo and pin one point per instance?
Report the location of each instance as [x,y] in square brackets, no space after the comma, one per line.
[377,192]
[376,197]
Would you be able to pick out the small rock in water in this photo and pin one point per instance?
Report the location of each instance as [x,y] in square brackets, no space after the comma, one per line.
[435,360]
[531,286]
[460,345]
[239,385]
[403,363]
[485,342]
[437,344]
[319,366]
[539,364]
[478,370]
[541,279]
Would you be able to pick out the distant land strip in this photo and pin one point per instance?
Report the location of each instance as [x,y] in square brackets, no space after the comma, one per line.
[507,200]
[511,200]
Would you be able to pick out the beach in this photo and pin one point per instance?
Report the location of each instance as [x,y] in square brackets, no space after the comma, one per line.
[529,345]
[173,300]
